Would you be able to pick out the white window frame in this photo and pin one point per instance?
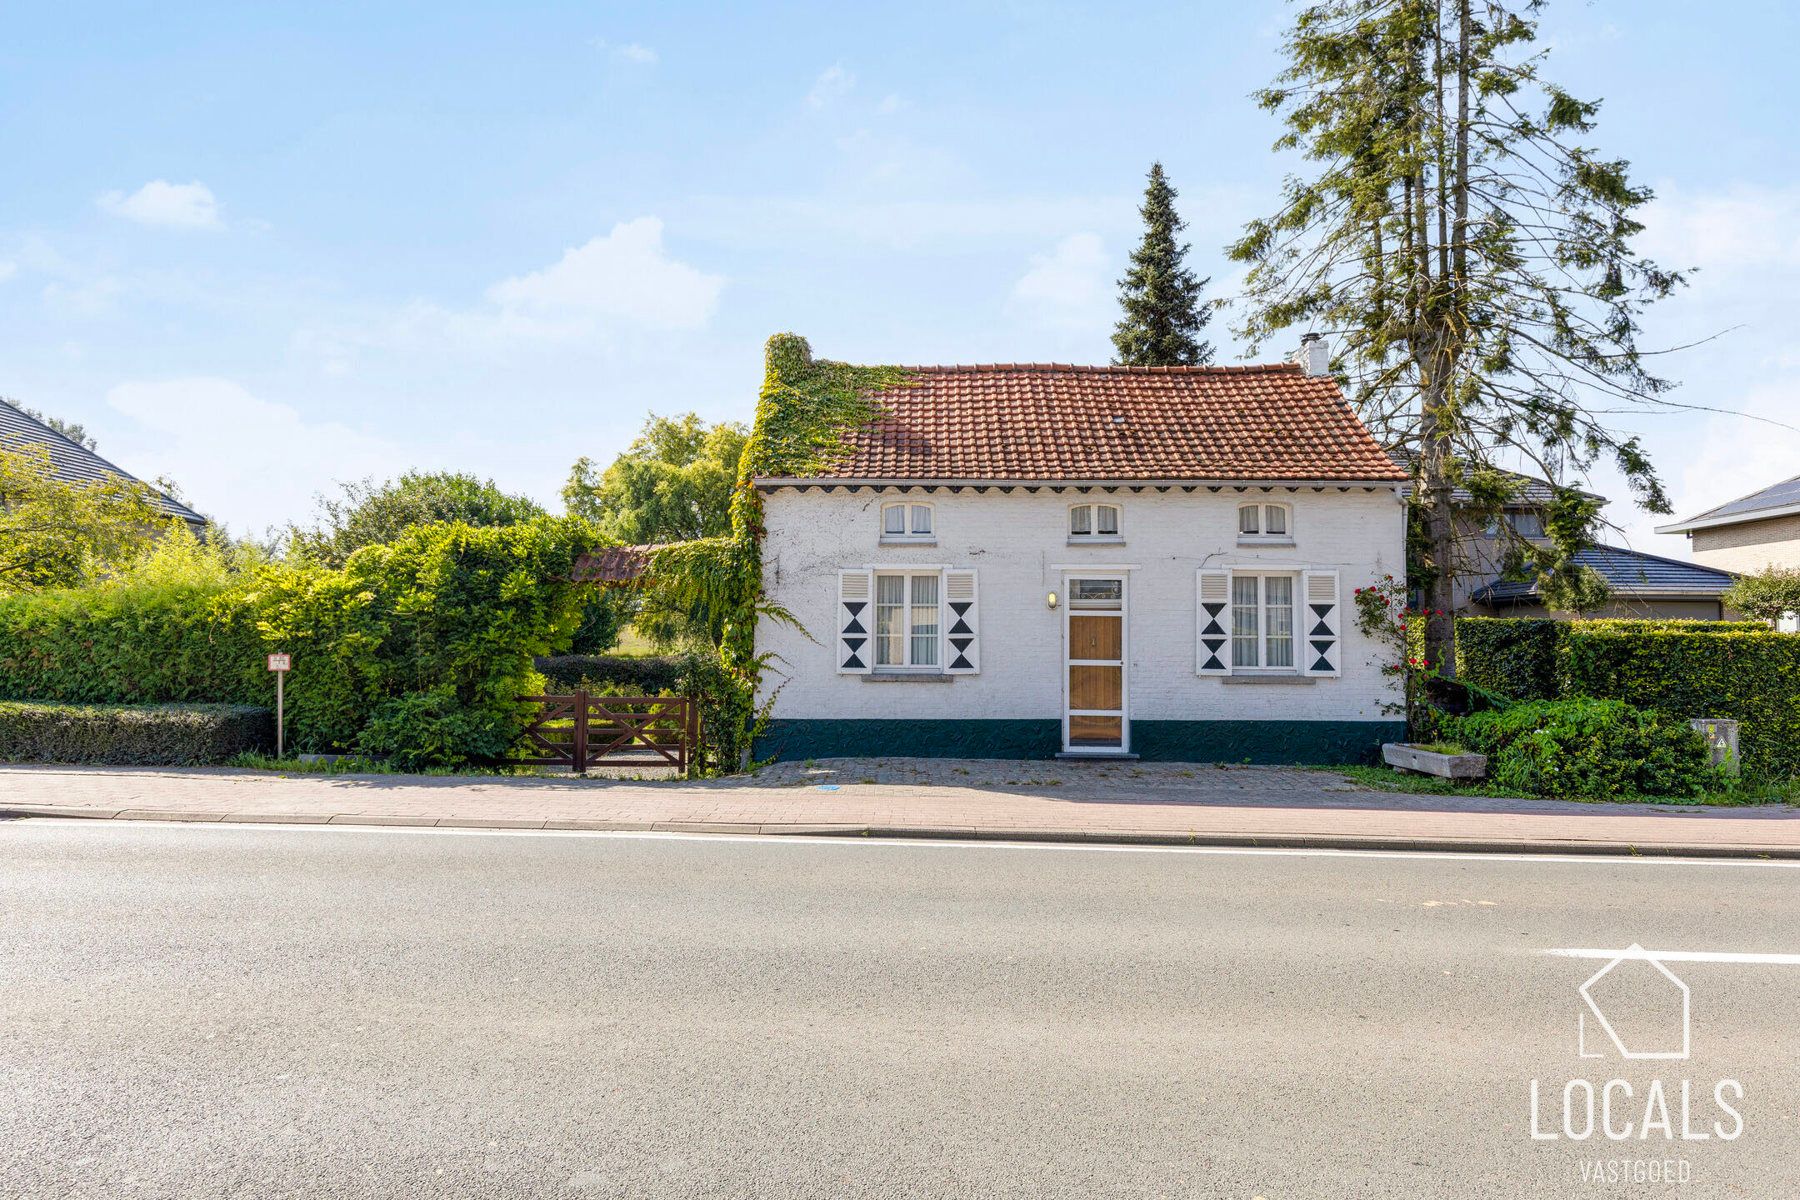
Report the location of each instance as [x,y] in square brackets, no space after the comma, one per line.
[906,619]
[1296,600]
[1262,537]
[908,508]
[1093,535]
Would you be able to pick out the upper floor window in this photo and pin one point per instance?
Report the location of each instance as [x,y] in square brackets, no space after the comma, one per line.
[1094,522]
[902,522]
[1526,523]
[1264,522]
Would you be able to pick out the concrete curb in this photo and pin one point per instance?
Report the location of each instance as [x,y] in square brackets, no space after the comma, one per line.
[1438,845]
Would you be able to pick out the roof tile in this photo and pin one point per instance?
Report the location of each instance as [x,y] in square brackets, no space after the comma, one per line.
[1059,421]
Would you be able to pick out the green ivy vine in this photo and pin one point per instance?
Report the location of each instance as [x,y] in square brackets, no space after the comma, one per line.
[806,409]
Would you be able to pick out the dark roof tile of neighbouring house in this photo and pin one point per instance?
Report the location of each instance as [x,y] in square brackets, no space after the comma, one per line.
[1778,499]
[1533,492]
[1050,421]
[1627,573]
[73,462]
[616,564]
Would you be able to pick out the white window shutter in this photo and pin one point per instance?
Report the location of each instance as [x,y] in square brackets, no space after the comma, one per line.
[1213,650]
[962,613]
[1323,623]
[855,622]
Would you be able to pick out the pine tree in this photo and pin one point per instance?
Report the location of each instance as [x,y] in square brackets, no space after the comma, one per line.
[1161,297]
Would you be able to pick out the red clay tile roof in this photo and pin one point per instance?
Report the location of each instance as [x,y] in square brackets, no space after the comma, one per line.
[1052,421]
[617,564]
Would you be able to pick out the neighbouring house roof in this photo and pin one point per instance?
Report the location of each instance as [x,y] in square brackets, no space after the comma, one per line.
[1776,500]
[74,463]
[1628,573]
[616,564]
[1533,492]
[1051,421]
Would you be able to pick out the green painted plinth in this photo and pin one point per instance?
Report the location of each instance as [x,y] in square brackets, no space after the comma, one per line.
[1315,743]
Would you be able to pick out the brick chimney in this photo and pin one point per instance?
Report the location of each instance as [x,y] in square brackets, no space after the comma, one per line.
[1313,356]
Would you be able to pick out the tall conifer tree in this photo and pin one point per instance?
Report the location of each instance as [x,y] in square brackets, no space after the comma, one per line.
[1472,255]
[1161,297]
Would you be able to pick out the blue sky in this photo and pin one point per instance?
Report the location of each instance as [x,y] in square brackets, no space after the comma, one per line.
[261,247]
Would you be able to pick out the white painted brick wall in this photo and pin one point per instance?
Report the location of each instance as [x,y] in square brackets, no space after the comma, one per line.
[1019,543]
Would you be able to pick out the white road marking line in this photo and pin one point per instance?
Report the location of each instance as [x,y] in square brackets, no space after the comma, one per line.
[929,843]
[1675,956]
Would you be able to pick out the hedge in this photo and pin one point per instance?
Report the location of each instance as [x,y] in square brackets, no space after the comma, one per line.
[1517,657]
[1741,670]
[1752,678]
[177,735]
[650,675]
[416,649]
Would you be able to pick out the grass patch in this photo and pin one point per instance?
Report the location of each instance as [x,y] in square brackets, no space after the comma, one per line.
[1386,779]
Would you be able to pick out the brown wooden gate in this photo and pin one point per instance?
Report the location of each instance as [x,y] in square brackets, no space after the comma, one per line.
[582,731]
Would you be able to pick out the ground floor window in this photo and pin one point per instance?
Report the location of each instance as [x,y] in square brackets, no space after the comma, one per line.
[1262,621]
[906,620]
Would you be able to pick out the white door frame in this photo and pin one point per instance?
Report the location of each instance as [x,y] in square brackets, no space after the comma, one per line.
[1124,664]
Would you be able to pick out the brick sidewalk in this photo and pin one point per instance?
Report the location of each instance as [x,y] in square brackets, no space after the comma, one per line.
[1264,806]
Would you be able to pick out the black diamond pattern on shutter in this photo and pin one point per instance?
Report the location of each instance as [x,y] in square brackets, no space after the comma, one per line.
[961,612]
[1322,601]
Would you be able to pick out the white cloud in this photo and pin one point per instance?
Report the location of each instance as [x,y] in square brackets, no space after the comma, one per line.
[629,52]
[166,205]
[251,462]
[623,277]
[1744,228]
[1072,285]
[890,103]
[7,270]
[833,84]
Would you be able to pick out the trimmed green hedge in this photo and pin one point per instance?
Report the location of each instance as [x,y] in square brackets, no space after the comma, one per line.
[1752,678]
[616,674]
[416,649]
[175,735]
[1736,669]
[1517,657]
[1590,750]
[1513,657]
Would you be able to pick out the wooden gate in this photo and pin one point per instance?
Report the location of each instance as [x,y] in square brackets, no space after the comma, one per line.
[582,731]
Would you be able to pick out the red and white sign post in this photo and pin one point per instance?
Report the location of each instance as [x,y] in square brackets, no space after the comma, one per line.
[279,663]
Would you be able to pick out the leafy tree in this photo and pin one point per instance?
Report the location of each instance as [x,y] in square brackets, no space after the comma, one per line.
[673,484]
[1161,297]
[59,534]
[69,429]
[1768,595]
[370,514]
[1471,254]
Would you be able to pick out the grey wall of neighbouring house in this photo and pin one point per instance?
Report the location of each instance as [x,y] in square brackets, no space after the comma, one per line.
[1623,608]
[1749,546]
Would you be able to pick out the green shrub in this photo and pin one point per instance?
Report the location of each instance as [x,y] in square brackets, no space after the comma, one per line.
[174,735]
[1513,657]
[1590,750]
[599,673]
[419,647]
[1519,657]
[1752,677]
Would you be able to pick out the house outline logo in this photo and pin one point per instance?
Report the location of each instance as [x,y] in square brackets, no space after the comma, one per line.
[1634,953]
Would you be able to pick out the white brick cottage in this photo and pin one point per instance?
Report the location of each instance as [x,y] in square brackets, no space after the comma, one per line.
[1041,560]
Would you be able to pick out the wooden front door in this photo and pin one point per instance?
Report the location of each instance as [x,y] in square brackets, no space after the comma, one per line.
[1094,684]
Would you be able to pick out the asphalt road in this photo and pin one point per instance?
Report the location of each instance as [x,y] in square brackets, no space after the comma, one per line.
[190,1011]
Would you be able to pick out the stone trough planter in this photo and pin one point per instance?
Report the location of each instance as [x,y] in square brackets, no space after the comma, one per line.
[1429,762]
